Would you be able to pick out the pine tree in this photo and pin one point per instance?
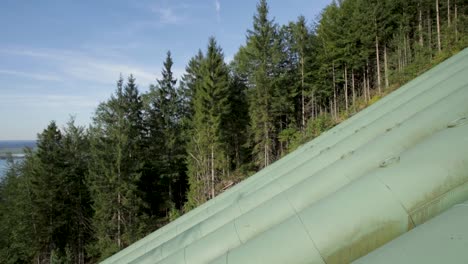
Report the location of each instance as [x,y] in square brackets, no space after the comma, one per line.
[257,61]
[78,208]
[189,84]
[166,142]
[235,131]
[49,192]
[302,46]
[207,148]
[19,238]
[115,170]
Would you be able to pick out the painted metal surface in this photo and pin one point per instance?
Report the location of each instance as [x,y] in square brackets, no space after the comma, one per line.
[371,211]
[443,239]
[369,141]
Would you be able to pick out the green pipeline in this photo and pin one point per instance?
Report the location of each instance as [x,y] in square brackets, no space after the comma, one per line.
[420,183]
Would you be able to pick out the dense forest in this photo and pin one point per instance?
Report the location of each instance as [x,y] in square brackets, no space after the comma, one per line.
[146,158]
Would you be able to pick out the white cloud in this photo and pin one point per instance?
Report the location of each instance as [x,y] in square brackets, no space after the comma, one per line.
[107,72]
[167,16]
[56,101]
[157,16]
[218,9]
[35,76]
[81,66]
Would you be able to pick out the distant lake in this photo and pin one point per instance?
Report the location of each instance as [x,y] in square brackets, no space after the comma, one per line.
[3,164]
[14,147]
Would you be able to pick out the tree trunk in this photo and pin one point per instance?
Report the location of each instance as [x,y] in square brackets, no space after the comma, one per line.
[346,86]
[420,29]
[266,147]
[386,66]
[448,12]
[410,54]
[353,87]
[80,241]
[316,108]
[364,86]
[378,63]
[119,219]
[334,93]
[368,81]
[405,52]
[456,22]
[119,198]
[439,46]
[368,87]
[312,103]
[302,93]
[212,173]
[281,142]
[429,31]
[399,58]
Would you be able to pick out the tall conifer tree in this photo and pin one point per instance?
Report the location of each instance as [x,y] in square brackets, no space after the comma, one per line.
[115,170]
[258,59]
[207,148]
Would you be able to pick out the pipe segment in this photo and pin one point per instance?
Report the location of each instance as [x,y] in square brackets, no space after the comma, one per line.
[443,239]
[372,210]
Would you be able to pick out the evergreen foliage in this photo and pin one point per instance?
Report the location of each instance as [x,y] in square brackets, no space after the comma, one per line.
[115,170]
[147,158]
[208,161]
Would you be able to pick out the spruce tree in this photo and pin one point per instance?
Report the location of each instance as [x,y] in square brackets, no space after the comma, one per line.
[235,131]
[115,170]
[79,211]
[20,241]
[302,47]
[49,192]
[207,147]
[166,141]
[190,81]
[258,59]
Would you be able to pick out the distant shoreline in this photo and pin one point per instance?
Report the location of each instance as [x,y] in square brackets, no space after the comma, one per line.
[13,156]
[15,148]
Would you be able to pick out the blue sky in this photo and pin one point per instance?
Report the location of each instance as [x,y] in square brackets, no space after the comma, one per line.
[60,57]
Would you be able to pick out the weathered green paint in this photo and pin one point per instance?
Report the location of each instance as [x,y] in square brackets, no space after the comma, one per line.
[356,148]
[371,211]
[443,239]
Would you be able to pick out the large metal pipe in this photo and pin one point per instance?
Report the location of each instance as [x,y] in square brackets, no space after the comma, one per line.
[424,98]
[371,211]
